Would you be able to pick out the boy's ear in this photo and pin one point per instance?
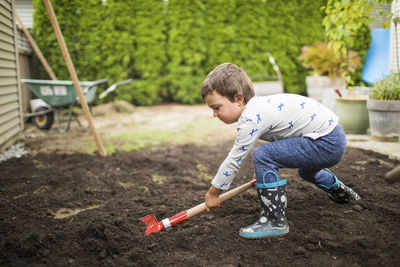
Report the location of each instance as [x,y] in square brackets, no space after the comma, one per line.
[239,98]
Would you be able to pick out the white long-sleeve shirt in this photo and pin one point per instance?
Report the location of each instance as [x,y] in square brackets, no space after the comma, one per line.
[272,118]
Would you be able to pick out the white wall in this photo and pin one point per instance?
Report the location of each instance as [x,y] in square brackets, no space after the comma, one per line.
[394,64]
[24,9]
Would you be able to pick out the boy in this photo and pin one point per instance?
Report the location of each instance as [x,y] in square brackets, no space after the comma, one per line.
[304,134]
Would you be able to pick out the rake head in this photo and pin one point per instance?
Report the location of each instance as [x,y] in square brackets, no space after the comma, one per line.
[152,225]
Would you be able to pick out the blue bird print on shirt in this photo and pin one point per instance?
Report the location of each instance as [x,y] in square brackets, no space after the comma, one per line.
[223,185]
[226,174]
[290,124]
[253,131]
[301,134]
[302,104]
[281,106]
[270,127]
[272,139]
[330,122]
[258,117]
[243,149]
[313,116]
[238,161]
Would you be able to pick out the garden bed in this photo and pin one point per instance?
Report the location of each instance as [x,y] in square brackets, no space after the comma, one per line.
[60,209]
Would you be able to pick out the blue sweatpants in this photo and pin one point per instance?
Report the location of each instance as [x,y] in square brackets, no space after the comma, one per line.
[309,156]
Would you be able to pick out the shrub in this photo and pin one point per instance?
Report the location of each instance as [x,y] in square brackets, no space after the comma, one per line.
[324,60]
[387,89]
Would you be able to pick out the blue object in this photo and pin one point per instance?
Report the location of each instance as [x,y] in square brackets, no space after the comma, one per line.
[377,59]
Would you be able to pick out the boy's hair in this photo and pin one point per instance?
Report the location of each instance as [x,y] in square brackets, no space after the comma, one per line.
[228,80]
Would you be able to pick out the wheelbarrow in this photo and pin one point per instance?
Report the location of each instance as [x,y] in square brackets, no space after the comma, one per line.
[55,96]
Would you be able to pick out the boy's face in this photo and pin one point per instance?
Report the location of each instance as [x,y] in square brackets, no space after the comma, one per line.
[223,108]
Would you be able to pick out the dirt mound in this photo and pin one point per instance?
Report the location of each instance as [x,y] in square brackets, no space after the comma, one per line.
[118,106]
[102,199]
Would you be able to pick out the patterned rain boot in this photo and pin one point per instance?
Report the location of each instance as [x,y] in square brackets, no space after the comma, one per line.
[339,192]
[272,222]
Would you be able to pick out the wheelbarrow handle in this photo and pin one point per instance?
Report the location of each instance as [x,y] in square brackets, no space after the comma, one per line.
[124,82]
[99,82]
[112,87]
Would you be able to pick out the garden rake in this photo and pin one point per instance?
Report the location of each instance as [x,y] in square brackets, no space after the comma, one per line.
[152,225]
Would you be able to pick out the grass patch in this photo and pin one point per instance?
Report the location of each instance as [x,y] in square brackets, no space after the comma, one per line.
[126,185]
[144,189]
[203,174]
[158,179]
[189,132]
[65,213]
[19,196]
[40,190]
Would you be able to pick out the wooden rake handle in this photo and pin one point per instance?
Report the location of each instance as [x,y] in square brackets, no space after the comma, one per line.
[225,196]
[393,176]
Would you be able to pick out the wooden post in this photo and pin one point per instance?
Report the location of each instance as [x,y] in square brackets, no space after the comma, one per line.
[73,75]
[36,49]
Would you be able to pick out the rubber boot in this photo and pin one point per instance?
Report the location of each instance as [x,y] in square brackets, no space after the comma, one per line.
[339,192]
[272,221]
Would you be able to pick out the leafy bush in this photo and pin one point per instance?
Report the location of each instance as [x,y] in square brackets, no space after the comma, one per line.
[290,26]
[220,22]
[148,53]
[168,47]
[186,50]
[68,16]
[387,89]
[345,23]
[324,60]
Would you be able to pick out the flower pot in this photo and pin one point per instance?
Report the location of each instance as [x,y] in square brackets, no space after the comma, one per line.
[353,114]
[267,88]
[384,118]
[317,84]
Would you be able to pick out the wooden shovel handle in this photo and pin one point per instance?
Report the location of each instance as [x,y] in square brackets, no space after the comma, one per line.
[225,196]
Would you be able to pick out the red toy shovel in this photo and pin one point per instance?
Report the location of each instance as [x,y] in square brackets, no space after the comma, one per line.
[152,225]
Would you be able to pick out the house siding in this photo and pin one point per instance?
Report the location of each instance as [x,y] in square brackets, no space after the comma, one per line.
[24,9]
[11,119]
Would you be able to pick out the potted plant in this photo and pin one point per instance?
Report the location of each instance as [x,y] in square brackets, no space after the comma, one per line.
[326,70]
[343,20]
[384,108]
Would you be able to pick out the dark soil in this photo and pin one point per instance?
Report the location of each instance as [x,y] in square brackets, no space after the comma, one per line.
[119,189]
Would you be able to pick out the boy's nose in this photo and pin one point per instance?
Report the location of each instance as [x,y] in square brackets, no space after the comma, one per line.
[215,114]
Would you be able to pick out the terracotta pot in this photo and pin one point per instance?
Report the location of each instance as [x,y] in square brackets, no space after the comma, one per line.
[384,118]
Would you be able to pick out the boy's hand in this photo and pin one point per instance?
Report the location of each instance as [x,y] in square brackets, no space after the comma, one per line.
[212,198]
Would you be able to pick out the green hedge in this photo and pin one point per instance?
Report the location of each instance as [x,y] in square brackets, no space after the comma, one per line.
[220,33]
[168,47]
[186,49]
[68,16]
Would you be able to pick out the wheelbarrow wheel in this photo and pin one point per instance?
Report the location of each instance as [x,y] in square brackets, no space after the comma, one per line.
[44,121]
